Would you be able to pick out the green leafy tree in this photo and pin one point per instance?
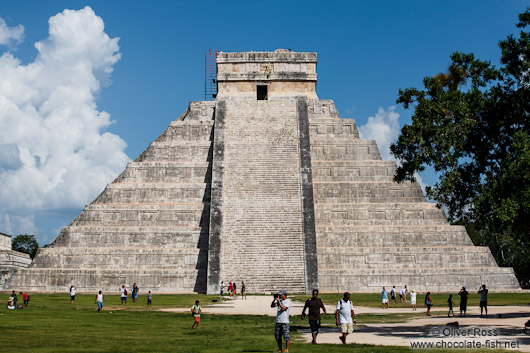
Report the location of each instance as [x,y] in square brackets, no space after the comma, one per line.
[471,125]
[26,243]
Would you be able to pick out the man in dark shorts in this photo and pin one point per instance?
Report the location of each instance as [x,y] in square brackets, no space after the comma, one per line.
[483,299]
[463,300]
[314,304]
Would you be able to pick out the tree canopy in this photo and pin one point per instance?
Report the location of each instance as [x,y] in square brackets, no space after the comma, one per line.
[26,243]
[471,124]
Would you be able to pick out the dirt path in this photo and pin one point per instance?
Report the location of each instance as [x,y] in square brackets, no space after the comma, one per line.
[504,324]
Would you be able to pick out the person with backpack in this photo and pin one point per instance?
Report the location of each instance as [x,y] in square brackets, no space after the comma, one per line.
[345,316]
[123,294]
[135,291]
[428,303]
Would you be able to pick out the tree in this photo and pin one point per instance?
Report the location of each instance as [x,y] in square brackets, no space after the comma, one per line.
[471,124]
[26,243]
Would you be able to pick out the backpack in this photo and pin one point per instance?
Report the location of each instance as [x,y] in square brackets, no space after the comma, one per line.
[125,292]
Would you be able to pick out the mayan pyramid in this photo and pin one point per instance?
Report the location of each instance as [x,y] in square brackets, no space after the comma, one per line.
[266,184]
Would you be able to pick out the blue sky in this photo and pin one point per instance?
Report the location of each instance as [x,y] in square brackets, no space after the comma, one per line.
[367,50]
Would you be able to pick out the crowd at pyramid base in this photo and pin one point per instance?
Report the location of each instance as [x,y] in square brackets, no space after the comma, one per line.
[266,184]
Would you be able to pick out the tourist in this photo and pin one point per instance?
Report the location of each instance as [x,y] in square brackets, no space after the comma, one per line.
[11,303]
[282,319]
[405,291]
[196,311]
[385,299]
[99,301]
[234,290]
[450,302]
[72,294]
[483,299]
[401,291]
[230,287]
[149,298]
[428,303]
[15,299]
[463,300]
[393,294]
[26,299]
[134,291]
[413,299]
[123,294]
[345,316]
[314,304]
[222,285]
[243,290]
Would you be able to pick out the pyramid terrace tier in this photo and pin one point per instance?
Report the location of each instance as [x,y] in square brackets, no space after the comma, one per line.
[145,215]
[348,150]
[405,257]
[366,192]
[122,257]
[133,236]
[391,235]
[378,214]
[353,170]
[92,279]
[154,193]
[425,278]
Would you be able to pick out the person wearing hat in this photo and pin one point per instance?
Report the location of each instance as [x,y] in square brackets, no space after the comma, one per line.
[282,319]
[463,300]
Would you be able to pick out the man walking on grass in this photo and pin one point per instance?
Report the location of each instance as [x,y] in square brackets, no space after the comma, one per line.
[99,301]
[314,304]
[282,319]
[196,310]
[345,316]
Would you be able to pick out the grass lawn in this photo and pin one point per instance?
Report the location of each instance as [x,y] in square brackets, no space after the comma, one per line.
[51,324]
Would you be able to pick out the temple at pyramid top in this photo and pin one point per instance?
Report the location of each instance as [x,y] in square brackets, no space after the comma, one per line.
[266,75]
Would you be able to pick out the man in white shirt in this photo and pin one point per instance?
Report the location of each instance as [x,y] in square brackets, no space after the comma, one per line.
[345,316]
[282,319]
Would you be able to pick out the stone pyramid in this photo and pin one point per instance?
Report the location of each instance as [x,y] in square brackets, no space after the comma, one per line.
[266,184]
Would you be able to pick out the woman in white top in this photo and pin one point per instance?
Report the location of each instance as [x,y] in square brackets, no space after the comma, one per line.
[72,294]
[413,299]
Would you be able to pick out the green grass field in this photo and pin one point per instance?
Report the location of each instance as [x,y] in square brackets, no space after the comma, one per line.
[51,324]
[374,299]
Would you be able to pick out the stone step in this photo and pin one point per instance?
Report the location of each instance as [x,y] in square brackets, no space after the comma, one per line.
[391,235]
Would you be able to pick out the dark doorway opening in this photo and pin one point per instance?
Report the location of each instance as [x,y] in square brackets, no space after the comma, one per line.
[262,93]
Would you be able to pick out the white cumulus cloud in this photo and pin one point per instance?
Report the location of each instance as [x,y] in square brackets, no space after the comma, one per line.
[54,150]
[383,128]
[10,36]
